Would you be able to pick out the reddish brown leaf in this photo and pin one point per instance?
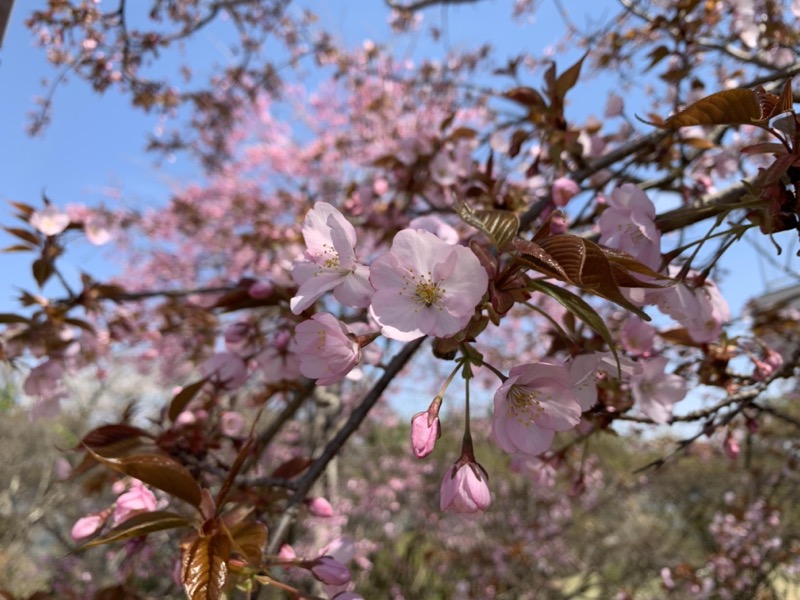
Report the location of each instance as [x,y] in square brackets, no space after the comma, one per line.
[293,466]
[42,271]
[182,398]
[249,539]
[237,465]
[728,107]
[24,235]
[500,225]
[204,565]
[109,435]
[527,97]
[141,524]
[162,472]
[12,318]
[567,80]
[534,256]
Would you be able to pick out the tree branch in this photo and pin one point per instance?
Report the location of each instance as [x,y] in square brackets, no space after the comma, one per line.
[358,415]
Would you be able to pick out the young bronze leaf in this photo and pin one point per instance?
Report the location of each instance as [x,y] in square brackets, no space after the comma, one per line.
[12,318]
[535,257]
[578,307]
[629,263]
[138,525]
[24,235]
[728,107]
[162,472]
[42,271]
[182,398]
[525,96]
[237,465]
[588,268]
[500,225]
[204,566]
[249,539]
[567,80]
[293,466]
[108,435]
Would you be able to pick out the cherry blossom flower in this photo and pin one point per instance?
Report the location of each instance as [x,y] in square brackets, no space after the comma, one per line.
[465,488]
[765,368]
[327,348]
[614,106]
[137,499]
[563,189]
[628,224]
[637,336]
[585,369]
[424,286]
[437,227]
[330,262]
[425,430]
[701,309]
[50,220]
[225,370]
[656,391]
[278,361]
[535,401]
[97,233]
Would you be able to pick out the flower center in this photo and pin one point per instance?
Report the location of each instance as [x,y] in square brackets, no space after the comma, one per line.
[525,404]
[428,292]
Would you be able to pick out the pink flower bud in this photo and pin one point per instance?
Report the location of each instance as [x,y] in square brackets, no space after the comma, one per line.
[320,507]
[286,552]
[231,423]
[330,571]
[424,433]
[137,499]
[260,290]
[731,447]
[88,525]
[465,489]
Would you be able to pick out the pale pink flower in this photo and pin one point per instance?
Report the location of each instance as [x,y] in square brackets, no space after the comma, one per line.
[330,262]
[637,336]
[88,525]
[327,348]
[50,220]
[425,287]
[702,310]
[656,391]
[425,430]
[444,170]
[319,507]
[628,224]
[225,370]
[765,368]
[231,423]
[97,233]
[563,190]
[586,369]
[534,402]
[437,227]
[465,488]
[278,362]
[614,106]
[731,446]
[137,499]
[286,552]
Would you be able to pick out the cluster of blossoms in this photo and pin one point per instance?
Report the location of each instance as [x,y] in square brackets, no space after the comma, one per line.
[426,285]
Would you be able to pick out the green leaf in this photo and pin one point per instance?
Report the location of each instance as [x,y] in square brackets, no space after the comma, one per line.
[182,398]
[204,565]
[580,308]
[500,225]
[138,525]
[159,471]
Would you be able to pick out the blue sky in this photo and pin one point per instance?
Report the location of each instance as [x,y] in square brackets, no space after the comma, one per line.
[97,141]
